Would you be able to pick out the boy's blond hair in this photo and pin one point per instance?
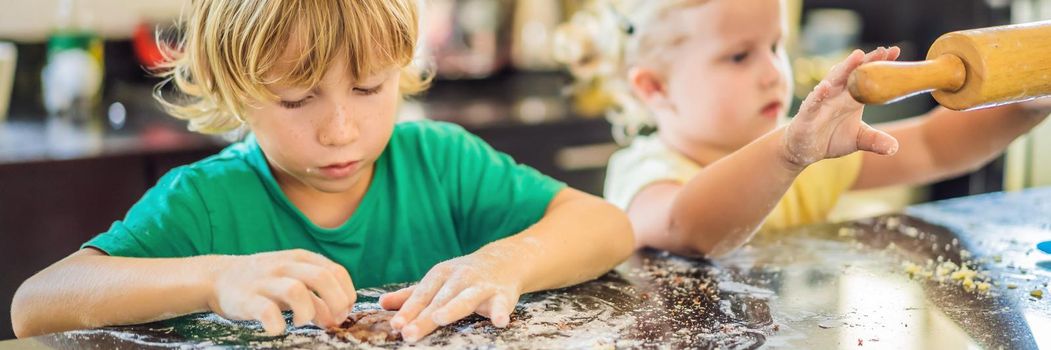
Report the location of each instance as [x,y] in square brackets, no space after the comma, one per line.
[230,50]
[606,38]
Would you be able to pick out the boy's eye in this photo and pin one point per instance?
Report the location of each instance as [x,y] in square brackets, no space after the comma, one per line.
[368,91]
[294,104]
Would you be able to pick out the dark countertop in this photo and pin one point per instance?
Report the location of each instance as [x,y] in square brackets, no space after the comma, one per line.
[824,286]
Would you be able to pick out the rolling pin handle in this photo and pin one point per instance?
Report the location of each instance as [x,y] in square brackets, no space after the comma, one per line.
[886,82]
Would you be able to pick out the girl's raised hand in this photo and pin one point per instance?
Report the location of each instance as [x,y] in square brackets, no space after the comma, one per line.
[829,123]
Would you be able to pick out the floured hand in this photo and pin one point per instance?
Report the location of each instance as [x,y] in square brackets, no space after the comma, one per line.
[259,286]
[829,123]
[481,283]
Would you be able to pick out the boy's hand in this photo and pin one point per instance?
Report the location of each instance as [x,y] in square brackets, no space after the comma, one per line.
[829,123]
[483,282]
[259,286]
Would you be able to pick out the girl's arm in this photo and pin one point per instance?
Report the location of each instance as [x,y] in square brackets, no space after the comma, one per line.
[90,289]
[726,202]
[945,143]
[579,238]
[721,207]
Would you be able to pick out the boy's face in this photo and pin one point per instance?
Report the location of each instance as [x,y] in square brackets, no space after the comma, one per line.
[730,84]
[327,138]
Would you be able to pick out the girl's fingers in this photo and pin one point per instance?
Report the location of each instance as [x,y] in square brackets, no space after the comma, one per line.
[814,99]
[839,74]
[837,77]
[461,306]
[876,141]
[893,53]
[874,55]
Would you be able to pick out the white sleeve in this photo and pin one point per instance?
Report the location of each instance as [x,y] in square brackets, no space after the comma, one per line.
[633,168]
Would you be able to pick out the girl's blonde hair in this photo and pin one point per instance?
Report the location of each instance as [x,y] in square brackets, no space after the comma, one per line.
[230,50]
[602,41]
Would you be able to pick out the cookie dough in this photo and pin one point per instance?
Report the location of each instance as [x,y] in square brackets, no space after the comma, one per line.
[369,326]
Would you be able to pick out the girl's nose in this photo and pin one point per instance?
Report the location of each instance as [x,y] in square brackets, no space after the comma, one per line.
[339,129]
[774,70]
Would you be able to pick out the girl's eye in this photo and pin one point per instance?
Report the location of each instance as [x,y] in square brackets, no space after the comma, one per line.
[294,104]
[738,58]
[368,91]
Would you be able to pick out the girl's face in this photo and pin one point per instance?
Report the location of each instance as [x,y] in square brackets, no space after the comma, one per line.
[327,138]
[728,85]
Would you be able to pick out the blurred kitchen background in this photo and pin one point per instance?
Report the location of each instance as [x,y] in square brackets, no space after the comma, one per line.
[81,139]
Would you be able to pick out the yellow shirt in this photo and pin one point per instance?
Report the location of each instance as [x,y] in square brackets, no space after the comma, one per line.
[809,200]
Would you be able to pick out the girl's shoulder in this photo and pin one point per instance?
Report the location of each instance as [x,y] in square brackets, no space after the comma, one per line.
[645,161]
[649,149]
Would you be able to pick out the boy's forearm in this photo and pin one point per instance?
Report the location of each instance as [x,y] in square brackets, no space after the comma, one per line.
[723,205]
[962,141]
[87,291]
[576,241]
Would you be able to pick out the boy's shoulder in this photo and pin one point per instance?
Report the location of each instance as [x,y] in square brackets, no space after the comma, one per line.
[442,147]
[229,166]
[427,138]
[427,131]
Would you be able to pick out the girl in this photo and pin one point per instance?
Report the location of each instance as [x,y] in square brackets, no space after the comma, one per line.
[713,78]
[327,196]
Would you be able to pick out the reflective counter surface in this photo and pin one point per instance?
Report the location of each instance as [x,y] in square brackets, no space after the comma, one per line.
[893,281]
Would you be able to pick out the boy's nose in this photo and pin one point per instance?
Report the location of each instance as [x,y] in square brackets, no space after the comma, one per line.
[339,129]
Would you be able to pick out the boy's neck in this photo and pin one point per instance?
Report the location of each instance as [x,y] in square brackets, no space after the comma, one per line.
[325,209]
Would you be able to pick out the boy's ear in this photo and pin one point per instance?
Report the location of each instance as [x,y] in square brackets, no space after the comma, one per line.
[649,87]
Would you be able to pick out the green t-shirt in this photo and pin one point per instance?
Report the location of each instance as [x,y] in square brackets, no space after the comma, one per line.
[438,192]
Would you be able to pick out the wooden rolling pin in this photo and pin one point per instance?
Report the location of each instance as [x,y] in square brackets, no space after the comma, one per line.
[968,69]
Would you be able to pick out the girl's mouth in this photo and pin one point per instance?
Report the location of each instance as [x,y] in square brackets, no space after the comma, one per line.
[772,110]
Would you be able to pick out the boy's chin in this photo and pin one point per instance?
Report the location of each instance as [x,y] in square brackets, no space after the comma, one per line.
[334,186]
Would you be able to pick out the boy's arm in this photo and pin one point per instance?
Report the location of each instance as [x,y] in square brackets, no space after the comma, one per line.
[945,143]
[726,202]
[90,289]
[579,238]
